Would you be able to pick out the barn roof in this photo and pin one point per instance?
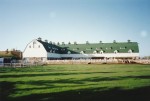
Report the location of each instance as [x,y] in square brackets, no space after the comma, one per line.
[122,47]
[50,47]
[89,48]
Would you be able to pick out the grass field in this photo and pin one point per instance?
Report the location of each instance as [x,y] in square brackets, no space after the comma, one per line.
[107,82]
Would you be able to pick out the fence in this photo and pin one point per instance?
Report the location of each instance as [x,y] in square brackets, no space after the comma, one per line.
[81,61]
[143,61]
[98,61]
[19,64]
[78,61]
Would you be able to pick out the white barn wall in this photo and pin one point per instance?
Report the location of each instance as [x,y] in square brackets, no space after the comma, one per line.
[34,51]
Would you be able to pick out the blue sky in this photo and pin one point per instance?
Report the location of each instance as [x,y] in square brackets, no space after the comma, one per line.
[21,21]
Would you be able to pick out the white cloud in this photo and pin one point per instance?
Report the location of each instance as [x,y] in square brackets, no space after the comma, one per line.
[144,33]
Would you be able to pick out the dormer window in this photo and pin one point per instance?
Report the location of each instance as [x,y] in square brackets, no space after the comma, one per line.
[116,51]
[69,52]
[82,52]
[101,52]
[129,51]
[94,52]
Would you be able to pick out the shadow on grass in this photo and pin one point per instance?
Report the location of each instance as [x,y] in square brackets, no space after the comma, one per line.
[6,88]
[89,94]
[114,94]
[49,74]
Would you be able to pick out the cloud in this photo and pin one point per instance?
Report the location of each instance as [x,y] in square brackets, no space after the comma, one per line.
[144,33]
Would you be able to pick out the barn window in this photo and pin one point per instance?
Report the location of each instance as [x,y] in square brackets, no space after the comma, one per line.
[34,42]
[94,52]
[82,52]
[39,46]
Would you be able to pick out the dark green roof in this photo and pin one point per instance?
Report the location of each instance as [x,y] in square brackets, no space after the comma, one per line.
[120,47]
[50,47]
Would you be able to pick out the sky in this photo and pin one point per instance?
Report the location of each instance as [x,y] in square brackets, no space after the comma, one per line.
[21,21]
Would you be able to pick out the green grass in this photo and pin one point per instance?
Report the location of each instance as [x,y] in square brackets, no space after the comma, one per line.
[108,82]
